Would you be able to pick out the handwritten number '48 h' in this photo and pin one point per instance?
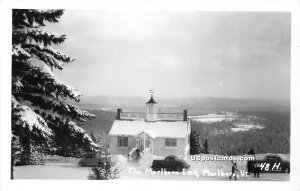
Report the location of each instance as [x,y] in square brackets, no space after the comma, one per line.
[266,166]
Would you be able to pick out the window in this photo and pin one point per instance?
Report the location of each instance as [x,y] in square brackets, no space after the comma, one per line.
[89,156]
[171,142]
[169,159]
[122,141]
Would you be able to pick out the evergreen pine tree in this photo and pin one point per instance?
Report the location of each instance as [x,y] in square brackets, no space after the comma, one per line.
[41,107]
[93,137]
[106,169]
[251,152]
[15,153]
[195,147]
[205,146]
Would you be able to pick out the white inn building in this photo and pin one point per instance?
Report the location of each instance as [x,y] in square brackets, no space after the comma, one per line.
[161,133]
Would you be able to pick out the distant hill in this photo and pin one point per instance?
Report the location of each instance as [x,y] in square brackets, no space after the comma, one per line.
[195,105]
[101,124]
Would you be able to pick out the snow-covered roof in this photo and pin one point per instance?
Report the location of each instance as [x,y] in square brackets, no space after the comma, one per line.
[151,100]
[172,129]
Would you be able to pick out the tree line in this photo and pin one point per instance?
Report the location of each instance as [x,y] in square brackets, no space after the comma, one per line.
[274,138]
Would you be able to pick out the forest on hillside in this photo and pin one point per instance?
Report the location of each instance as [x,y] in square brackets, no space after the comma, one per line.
[274,138]
[100,125]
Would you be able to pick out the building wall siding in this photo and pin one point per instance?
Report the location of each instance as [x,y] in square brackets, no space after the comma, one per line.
[161,150]
[183,145]
[159,146]
[114,149]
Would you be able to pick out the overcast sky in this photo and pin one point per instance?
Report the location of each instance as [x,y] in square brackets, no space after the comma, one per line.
[178,54]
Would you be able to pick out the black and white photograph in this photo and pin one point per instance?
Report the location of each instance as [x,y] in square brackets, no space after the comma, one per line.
[150,94]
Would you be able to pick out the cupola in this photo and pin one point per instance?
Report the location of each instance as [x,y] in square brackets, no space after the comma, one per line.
[151,109]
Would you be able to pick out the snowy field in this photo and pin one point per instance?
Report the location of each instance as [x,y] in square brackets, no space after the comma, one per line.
[67,168]
[246,127]
[241,123]
[82,173]
[215,117]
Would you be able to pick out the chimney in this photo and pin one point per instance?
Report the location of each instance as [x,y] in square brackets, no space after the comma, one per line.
[185,116]
[119,111]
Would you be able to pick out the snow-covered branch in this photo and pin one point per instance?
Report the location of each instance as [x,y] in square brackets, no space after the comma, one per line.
[26,117]
[51,107]
[28,35]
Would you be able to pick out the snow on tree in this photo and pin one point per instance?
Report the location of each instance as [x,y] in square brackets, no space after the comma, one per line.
[195,143]
[205,144]
[93,137]
[15,153]
[41,104]
[105,169]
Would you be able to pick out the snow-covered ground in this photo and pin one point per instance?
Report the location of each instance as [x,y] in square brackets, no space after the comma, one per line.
[241,123]
[246,127]
[215,117]
[82,173]
[51,172]
[67,168]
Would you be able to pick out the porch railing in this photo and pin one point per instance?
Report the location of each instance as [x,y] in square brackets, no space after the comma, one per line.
[170,116]
[160,116]
[133,115]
